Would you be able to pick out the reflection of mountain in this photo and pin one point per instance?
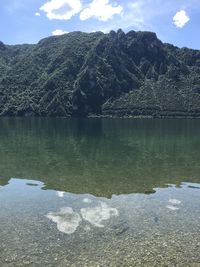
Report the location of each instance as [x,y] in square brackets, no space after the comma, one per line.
[101,157]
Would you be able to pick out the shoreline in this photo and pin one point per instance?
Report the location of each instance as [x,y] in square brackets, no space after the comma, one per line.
[92,116]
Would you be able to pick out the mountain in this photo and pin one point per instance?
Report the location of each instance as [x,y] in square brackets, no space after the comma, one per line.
[81,74]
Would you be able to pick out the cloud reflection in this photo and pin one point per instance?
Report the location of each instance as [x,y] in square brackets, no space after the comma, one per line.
[96,215]
[68,220]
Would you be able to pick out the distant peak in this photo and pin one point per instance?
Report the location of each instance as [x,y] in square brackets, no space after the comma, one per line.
[147,36]
[2,46]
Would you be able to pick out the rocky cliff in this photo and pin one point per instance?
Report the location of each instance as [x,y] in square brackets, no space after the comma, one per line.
[81,74]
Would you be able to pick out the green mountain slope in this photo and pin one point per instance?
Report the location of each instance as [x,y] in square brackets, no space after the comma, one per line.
[80,74]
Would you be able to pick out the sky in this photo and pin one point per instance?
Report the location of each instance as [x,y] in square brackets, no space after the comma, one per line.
[27,21]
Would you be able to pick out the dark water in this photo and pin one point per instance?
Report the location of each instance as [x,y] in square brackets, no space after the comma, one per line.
[99,192]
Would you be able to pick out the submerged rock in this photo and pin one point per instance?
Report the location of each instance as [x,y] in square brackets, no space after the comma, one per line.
[121,228]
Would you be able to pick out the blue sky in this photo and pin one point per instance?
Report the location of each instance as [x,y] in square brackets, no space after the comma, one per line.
[28,21]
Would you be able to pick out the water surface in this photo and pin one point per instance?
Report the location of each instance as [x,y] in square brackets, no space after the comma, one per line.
[99,192]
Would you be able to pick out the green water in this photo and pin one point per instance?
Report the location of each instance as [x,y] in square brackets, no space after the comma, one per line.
[99,192]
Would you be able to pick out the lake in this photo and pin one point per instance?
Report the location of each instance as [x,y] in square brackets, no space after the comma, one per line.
[99,192]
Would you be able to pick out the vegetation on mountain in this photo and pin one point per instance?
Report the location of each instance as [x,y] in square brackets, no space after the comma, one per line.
[82,74]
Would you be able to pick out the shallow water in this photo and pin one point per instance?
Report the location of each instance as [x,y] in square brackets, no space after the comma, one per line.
[110,192]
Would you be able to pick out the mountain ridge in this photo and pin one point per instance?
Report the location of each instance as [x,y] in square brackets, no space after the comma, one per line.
[97,74]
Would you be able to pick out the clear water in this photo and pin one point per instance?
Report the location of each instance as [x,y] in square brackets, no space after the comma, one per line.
[99,192]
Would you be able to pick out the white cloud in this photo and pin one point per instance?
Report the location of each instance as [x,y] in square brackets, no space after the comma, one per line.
[101,9]
[37,14]
[180,19]
[149,15]
[58,32]
[61,9]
